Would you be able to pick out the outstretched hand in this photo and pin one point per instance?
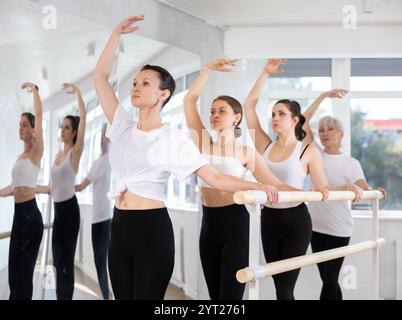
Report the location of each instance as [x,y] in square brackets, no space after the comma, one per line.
[70,88]
[223,65]
[273,66]
[126,26]
[30,86]
[336,93]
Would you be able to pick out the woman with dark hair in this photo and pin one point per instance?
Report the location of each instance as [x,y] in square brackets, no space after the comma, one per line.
[66,222]
[27,229]
[285,227]
[224,238]
[143,154]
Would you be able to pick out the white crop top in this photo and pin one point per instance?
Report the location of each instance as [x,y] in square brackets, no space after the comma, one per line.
[24,174]
[289,171]
[226,165]
[62,180]
[142,161]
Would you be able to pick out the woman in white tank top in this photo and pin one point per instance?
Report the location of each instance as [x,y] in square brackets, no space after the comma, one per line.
[62,183]
[27,229]
[286,228]
[225,226]
[332,221]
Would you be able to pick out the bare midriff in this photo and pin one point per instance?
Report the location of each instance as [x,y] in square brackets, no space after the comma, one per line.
[132,201]
[23,194]
[214,198]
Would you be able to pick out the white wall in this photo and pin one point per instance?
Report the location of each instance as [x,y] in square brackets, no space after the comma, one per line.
[10,147]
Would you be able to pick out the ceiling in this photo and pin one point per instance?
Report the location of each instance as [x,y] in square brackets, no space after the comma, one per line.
[51,57]
[240,13]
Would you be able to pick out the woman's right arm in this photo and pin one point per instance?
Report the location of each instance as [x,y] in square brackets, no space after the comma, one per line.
[85,183]
[260,138]
[104,90]
[193,119]
[310,111]
[42,189]
[226,183]
[6,191]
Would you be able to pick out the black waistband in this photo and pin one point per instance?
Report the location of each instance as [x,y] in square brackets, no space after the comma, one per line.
[26,204]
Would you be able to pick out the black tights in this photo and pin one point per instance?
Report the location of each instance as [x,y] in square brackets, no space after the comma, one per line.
[285,233]
[329,270]
[141,254]
[66,226]
[224,249]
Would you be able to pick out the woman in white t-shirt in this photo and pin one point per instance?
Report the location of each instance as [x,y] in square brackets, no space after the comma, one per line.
[142,156]
[99,176]
[332,221]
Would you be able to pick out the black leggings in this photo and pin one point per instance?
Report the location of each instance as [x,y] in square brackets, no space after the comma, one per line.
[66,226]
[224,250]
[329,270]
[26,236]
[285,233]
[100,244]
[141,254]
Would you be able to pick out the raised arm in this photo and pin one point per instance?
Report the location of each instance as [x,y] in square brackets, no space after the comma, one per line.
[310,111]
[227,183]
[198,132]
[6,191]
[79,145]
[37,151]
[85,183]
[260,138]
[104,90]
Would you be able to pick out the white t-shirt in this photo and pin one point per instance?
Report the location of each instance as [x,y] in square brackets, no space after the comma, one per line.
[334,217]
[99,176]
[142,161]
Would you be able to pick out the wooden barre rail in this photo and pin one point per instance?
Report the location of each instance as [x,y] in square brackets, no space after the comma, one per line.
[7,234]
[258,272]
[256,196]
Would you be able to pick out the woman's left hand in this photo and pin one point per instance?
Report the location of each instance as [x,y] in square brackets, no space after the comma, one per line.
[324,191]
[384,193]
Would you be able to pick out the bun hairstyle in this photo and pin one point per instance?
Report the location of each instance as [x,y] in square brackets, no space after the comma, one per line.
[30,117]
[237,109]
[167,81]
[294,108]
[75,121]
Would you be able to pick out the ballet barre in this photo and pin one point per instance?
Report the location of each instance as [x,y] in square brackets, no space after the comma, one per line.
[254,272]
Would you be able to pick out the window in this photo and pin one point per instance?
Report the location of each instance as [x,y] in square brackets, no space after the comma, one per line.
[184,193]
[377,144]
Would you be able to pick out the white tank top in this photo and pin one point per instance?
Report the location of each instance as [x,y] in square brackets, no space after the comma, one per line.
[289,171]
[226,165]
[24,174]
[62,180]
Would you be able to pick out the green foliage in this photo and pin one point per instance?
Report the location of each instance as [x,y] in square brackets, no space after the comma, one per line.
[380,156]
